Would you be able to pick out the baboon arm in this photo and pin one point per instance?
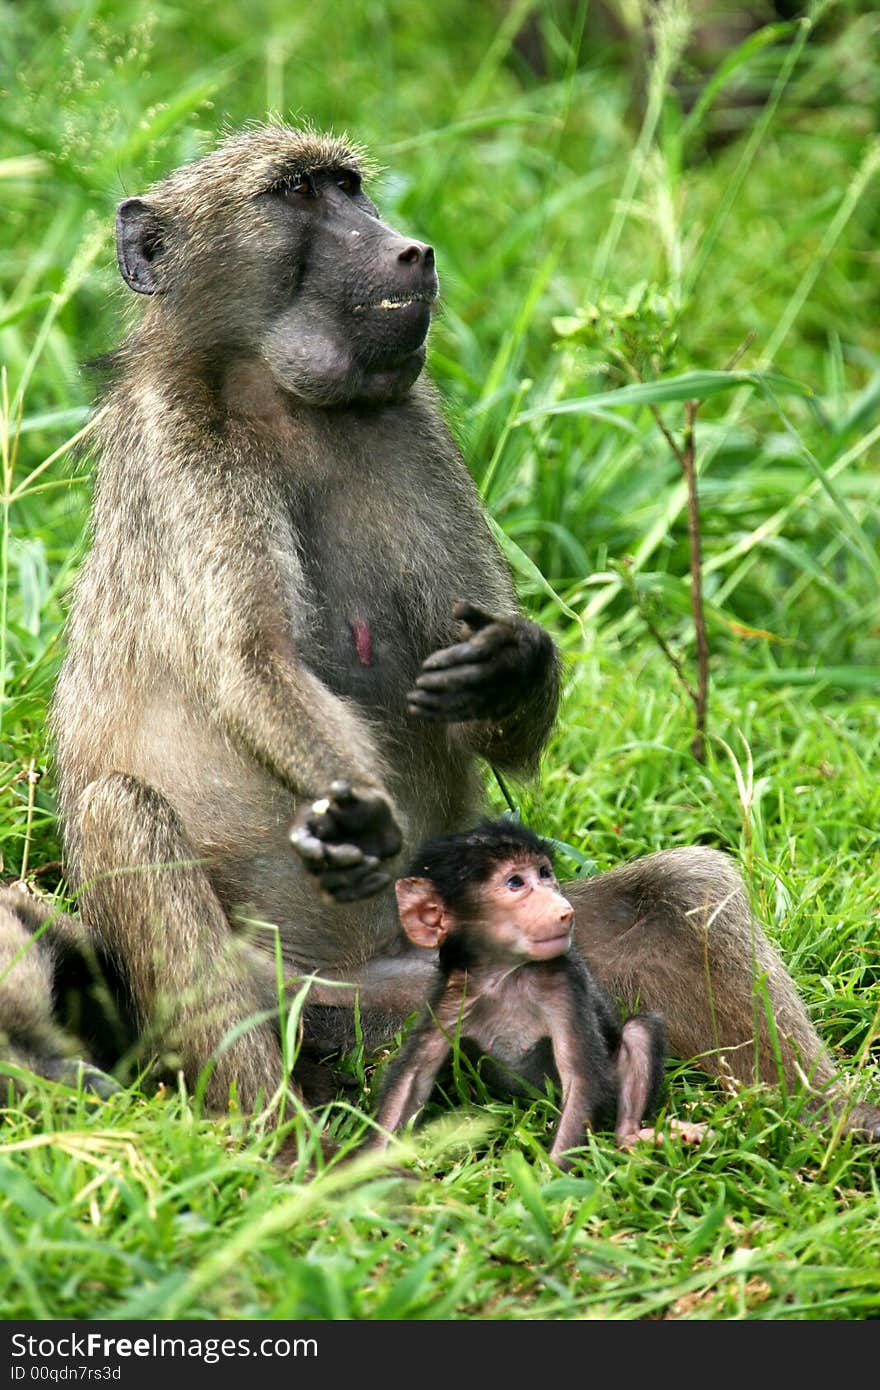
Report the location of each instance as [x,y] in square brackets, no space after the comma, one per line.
[497,685]
[297,728]
[245,623]
[577,1093]
[516,742]
[575,1118]
[411,1078]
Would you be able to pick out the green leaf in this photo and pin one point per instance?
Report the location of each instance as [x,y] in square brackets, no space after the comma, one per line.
[532,1198]
[847,677]
[30,306]
[520,562]
[166,117]
[704,1233]
[55,419]
[585,866]
[29,557]
[688,386]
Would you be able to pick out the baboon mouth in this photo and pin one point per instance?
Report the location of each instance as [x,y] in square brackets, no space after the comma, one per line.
[397,302]
[544,948]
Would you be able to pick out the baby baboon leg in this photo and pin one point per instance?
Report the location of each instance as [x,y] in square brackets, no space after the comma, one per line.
[154,911]
[674,932]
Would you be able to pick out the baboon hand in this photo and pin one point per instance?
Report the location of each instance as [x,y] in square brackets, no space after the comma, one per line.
[342,837]
[487,675]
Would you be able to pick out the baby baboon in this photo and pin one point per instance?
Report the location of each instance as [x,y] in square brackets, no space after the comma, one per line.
[511,990]
[293,617]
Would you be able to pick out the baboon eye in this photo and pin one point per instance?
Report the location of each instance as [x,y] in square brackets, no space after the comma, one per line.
[545,871]
[516,881]
[303,188]
[349,183]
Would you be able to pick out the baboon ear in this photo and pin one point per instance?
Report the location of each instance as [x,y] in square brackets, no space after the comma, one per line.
[422,914]
[139,243]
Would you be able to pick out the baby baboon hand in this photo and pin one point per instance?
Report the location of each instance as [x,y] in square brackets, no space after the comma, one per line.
[342,837]
[486,676]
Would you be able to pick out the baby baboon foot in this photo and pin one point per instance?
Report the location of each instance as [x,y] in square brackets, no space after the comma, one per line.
[685,1130]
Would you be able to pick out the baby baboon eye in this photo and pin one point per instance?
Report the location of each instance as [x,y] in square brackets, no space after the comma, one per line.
[515,881]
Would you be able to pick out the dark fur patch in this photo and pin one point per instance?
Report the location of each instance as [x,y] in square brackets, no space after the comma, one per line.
[455,864]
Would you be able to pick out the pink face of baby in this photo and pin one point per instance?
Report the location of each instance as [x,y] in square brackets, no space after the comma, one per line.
[519,913]
[523,913]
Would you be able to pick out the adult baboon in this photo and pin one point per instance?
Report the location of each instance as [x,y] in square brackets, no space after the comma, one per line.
[293,616]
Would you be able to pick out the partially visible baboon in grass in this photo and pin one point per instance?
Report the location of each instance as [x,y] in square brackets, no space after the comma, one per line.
[293,618]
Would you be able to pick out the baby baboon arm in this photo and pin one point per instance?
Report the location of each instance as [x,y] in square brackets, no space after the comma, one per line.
[577,1088]
[411,1077]
[573,1122]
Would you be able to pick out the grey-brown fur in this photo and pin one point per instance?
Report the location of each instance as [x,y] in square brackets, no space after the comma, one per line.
[37,943]
[211,686]
[256,498]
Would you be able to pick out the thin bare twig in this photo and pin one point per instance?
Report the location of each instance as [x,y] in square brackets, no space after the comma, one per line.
[741,351]
[688,461]
[645,615]
[668,653]
[686,454]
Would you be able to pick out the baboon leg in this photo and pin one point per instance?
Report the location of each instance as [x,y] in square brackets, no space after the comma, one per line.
[385,991]
[29,1034]
[153,910]
[26,990]
[674,932]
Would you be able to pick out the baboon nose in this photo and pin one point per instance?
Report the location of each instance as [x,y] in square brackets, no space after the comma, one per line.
[416,252]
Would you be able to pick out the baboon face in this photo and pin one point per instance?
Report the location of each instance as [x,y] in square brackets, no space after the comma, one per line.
[283,256]
[353,298]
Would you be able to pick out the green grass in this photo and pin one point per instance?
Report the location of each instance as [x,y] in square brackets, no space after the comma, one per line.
[754,217]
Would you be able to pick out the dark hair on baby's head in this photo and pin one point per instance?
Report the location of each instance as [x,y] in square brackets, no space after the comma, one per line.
[457,863]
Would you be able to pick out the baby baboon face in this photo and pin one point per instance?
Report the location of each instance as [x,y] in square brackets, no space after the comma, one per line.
[284,256]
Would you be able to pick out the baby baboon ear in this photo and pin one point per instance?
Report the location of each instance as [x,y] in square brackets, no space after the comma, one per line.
[139,244]
[422,913]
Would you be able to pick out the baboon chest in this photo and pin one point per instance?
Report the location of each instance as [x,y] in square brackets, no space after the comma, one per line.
[367,578]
